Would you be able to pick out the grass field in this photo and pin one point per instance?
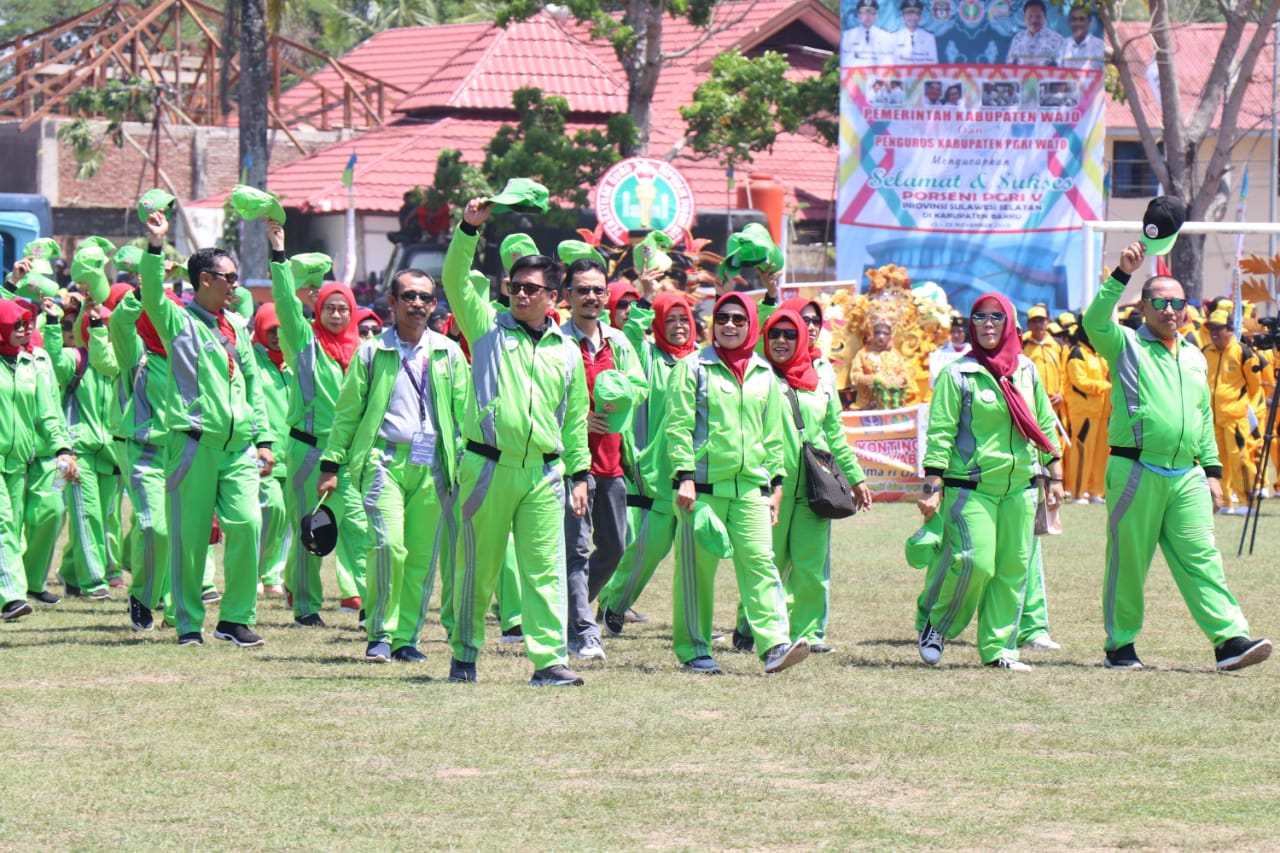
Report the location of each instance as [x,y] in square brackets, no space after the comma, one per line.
[116,740]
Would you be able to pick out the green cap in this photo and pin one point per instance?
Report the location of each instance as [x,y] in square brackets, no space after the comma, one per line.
[153,200]
[752,246]
[648,252]
[309,268]
[521,195]
[612,396]
[709,532]
[128,258]
[41,252]
[575,250]
[515,247]
[88,268]
[37,285]
[253,203]
[108,248]
[923,546]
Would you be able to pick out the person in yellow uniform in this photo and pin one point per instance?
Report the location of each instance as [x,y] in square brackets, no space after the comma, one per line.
[1088,390]
[1235,379]
[1048,357]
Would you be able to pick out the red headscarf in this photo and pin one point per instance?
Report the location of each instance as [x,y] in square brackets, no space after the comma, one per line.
[118,291]
[1001,362]
[37,339]
[797,370]
[663,304]
[367,314]
[264,321]
[86,316]
[340,346]
[618,290]
[736,359]
[10,313]
[798,304]
[147,330]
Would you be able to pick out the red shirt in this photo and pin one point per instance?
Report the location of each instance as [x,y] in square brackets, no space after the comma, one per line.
[606,450]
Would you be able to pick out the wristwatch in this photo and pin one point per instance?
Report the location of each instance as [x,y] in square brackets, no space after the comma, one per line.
[930,489]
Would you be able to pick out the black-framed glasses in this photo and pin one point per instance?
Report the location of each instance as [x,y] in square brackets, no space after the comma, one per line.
[228,277]
[369,331]
[526,287]
[412,296]
[591,291]
[811,320]
[1160,303]
[783,334]
[624,305]
[980,317]
[22,326]
[724,318]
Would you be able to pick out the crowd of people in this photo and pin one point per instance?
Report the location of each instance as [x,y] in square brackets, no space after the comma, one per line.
[545,463]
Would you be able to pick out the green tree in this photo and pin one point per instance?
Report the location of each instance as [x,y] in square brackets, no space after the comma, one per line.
[118,101]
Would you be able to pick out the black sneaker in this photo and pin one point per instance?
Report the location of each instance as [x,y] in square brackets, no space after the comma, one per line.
[462,671]
[785,655]
[140,615]
[100,594]
[612,622]
[513,635]
[703,665]
[1124,658]
[43,597]
[311,620]
[193,638]
[1239,652]
[743,642]
[820,649]
[377,653]
[239,634]
[209,596]
[71,590]
[556,676]
[15,609]
[409,654]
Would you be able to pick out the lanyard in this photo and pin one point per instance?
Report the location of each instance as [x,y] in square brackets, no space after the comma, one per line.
[419,387]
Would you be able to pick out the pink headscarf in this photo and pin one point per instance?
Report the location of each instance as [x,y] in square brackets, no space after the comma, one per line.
[1001,362]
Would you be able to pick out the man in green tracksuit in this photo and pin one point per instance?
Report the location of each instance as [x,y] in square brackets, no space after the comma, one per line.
[525,428]
[396,428]
[1163,477]
[216,417]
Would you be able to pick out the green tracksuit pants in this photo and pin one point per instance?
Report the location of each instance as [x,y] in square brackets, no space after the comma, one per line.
[200,480]
[276,536]
[86,559]
[404,509]
[13,581]
[117,559]
[655,531]
[802,555]
[148,541]
[1145,509]
[986,547]
[302,575]
[763,598]
[1034,621]
[42,522]
[506,598]
[528,502]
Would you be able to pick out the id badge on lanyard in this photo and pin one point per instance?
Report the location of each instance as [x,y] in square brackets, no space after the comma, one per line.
[423,449]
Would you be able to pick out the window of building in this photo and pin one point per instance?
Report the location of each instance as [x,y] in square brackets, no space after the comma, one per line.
[1131,173]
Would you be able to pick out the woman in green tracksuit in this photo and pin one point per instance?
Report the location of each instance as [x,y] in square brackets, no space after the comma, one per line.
[276,540]
[42,520]
[801,539]
[724,436]
[28,416]
[318,354]
[652,522]
[990,431]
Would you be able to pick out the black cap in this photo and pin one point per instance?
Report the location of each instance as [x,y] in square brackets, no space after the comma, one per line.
[320,531]
[1165,215]
[864,5]
[911,6]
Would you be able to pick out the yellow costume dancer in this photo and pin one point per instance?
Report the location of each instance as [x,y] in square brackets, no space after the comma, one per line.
[1235,379]
[1088,402]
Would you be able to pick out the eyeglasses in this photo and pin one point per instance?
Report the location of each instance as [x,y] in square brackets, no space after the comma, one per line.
[526,287]
[338,310]
[811,320]
[591,291]
[412,296]
[783,334]
[1159,303]
[228,277]
[624,305]
[724,318]
[680,318]
[980,317]
[369,331]
[22,325]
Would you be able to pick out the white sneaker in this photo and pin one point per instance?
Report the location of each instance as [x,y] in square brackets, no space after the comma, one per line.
[1226,510]
[1097,499]
[591,649]
[931,644]
[1009,664]
[1042,643]
[1081,501]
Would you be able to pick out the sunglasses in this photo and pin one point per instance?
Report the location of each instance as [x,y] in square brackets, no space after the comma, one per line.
[980,317]
[22,326]
[1160,303]
[624,305]
[228,277]
[783,334]
[526,287]
[726,319]
[591,291]
[412,296]
[369,331]
[811,320]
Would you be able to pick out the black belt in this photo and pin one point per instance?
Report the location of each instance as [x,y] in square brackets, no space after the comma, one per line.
[196,434]
[304,437]
[640,501]
[972,485]
[495,454]
[1126,452]
[119,439]
[708,489]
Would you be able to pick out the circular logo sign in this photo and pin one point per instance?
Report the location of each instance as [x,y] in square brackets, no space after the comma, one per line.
[643,193]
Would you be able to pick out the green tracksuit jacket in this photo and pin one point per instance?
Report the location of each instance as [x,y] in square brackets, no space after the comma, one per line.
[143,383]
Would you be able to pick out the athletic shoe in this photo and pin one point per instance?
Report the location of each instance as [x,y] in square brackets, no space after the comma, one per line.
[556,676]
[1097,499]
[717,638]
[513,635]
[1041,643]
[612,622]
[1081,501]
[785,655]
[71,590]
[1124,657]
[273,589]
[633,616]
[377,653]
[43,597]
[209,596]
[15,609]
[193,638]
[703,665]
[310,620]
[931,644]
[408,654]
[461,671]
[743,642]
[1239,652]
[100,594]
[350,605]
[360,620]
[117,582]
[140,615]
[237,633]
[820,649]
[1009,664]
[590,649]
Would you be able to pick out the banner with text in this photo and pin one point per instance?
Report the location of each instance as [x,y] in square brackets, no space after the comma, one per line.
[886,444]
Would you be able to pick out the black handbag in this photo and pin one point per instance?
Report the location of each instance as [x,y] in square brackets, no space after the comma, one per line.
[829,493]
